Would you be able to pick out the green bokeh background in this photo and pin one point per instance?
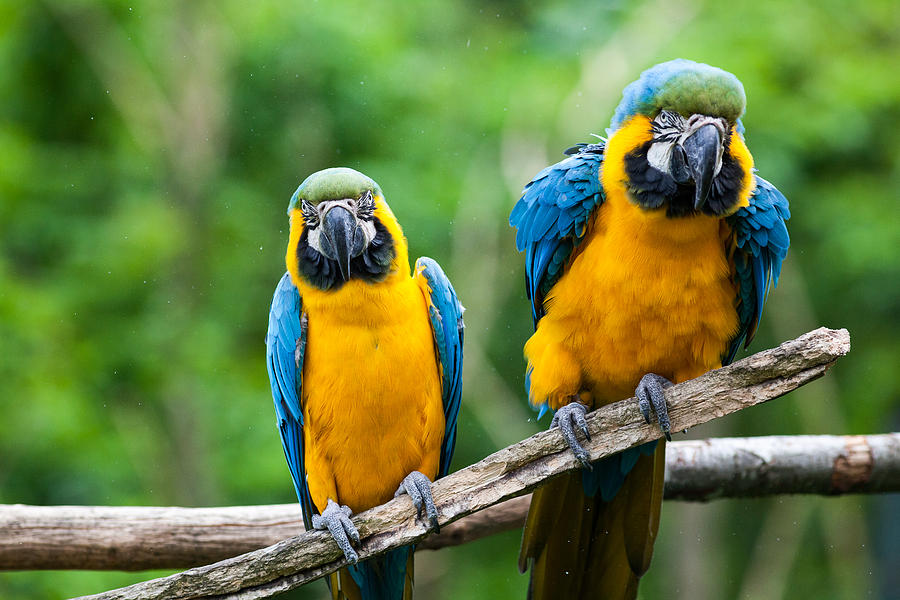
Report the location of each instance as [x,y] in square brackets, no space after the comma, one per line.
[147,154]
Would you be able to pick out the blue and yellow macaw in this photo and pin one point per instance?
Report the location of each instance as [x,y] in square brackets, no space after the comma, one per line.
[365,362]
[648,257]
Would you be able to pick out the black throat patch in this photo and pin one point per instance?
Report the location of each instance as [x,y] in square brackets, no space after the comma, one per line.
[372,266]
[653,188]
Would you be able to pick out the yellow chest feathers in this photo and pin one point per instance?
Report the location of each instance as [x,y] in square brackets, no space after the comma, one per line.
[643,294]
[371,393]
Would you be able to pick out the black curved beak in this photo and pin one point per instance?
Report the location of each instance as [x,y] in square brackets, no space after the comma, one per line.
[342,238]
[702,151]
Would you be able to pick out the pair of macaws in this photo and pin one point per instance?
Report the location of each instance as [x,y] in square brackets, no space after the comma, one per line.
[648,259]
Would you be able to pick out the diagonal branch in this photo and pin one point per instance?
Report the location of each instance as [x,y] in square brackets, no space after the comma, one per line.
[510,472]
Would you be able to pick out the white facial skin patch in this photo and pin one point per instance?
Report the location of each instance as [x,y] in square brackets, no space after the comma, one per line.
[368,227]
[671,129]
[668,128]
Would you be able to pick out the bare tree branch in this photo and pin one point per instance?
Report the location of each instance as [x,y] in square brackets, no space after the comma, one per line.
[137,538]
[510,472]
[783,464]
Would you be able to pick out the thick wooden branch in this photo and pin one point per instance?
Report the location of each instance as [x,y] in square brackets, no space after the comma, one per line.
[138,538]
[135,538]
[782,464]
[510,472]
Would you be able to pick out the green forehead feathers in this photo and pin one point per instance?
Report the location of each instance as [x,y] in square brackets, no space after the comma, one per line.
[333,184]
[683,86]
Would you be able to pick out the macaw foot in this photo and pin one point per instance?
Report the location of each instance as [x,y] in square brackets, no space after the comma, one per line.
[336,519]
[650,393]
[567,418]
[418,486]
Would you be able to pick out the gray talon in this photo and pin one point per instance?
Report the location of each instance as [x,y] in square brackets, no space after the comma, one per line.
[418,487]
[650,393]
[567,418]
[336,519]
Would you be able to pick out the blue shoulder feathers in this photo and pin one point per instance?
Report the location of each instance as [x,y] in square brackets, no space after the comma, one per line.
[551,217]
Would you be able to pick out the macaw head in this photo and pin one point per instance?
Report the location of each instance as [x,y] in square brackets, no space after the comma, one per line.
[676,142]
[341,229]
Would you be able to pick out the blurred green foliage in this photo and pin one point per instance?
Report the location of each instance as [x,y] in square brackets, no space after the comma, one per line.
[147,154]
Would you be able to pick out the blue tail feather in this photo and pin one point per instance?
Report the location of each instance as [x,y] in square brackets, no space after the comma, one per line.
[608,474]
[382,577]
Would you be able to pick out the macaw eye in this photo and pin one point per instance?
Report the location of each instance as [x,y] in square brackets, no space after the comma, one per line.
[667,126]
[310,214]
[365,206]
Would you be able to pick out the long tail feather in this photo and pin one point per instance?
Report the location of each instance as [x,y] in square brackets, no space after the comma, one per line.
[579,546]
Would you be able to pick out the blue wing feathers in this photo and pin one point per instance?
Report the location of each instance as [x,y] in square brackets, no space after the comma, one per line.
[544,219]
[285,343]
[551,216]
[762,241]
[281,343]
[557,263]
[564,222]
[445,314]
